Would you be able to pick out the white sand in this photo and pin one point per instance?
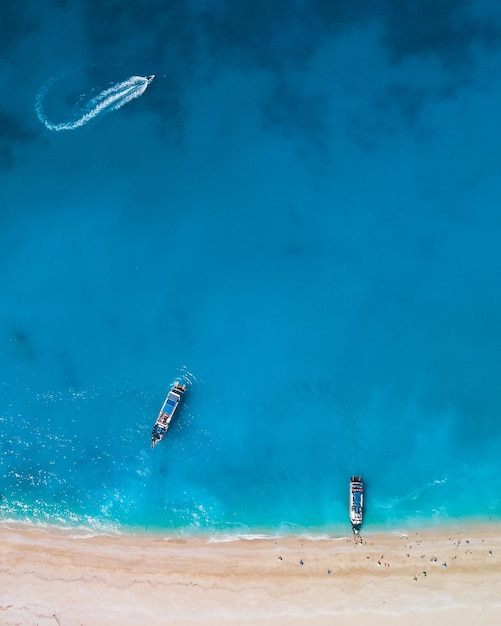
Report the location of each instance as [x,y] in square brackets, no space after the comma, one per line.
[50,577]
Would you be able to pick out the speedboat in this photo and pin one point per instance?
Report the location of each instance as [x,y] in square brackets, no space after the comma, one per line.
[167,411]
[356,503]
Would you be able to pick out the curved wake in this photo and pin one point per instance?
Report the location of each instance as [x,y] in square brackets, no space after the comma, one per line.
[110,99]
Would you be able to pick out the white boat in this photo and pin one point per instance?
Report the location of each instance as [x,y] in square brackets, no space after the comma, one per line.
[356,503]
[166,413]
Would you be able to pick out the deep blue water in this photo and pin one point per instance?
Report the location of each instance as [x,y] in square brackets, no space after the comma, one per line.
[299,217]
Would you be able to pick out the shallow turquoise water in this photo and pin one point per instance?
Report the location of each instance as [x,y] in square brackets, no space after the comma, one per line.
[299,217]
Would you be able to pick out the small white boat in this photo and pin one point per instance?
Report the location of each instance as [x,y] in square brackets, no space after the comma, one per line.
[166,413]
[356,503]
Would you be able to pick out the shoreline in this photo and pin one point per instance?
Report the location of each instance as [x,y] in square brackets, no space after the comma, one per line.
[334,532]
[49,576]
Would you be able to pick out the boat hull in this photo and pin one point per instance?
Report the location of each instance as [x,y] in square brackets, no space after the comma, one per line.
[356,503]
[169,407]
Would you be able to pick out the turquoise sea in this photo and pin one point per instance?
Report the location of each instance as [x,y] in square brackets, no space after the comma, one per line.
[299,216]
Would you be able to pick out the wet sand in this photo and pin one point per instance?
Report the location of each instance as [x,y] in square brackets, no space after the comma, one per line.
[433,577]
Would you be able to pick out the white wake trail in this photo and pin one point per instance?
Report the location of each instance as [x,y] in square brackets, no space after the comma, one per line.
[110,99]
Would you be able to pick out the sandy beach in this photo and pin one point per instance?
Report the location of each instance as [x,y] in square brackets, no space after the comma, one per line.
[54,577]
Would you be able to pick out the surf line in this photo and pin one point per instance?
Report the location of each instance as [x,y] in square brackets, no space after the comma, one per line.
[111,99]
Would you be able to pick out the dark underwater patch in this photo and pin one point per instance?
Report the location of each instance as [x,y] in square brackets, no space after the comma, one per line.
[446,30]
[15,24]
[22,345]
[12,131]
[294,112]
